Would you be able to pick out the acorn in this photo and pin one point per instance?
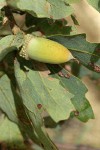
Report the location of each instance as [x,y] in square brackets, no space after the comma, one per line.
[44,50]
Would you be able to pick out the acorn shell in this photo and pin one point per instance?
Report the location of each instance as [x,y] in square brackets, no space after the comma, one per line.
[45,50]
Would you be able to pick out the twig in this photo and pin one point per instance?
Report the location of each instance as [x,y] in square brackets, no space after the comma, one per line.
[8,13]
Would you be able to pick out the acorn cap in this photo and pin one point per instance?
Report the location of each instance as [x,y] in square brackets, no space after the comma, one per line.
[23,53]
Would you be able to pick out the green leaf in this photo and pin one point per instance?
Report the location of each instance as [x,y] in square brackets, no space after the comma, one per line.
[31,108]
[7,99]
[13,107]
[95,4]
[78,89]
[10,43]
[4,46]
[45,91]
[34,7]
[11,135]
[59,9]
[1,72]
[55,9]
[87,53]
[49,27]
[71,1]
[11,104]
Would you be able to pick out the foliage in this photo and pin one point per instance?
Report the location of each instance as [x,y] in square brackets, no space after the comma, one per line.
[31,90]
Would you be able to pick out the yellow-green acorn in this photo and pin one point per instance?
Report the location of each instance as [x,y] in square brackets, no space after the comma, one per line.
[45,50]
